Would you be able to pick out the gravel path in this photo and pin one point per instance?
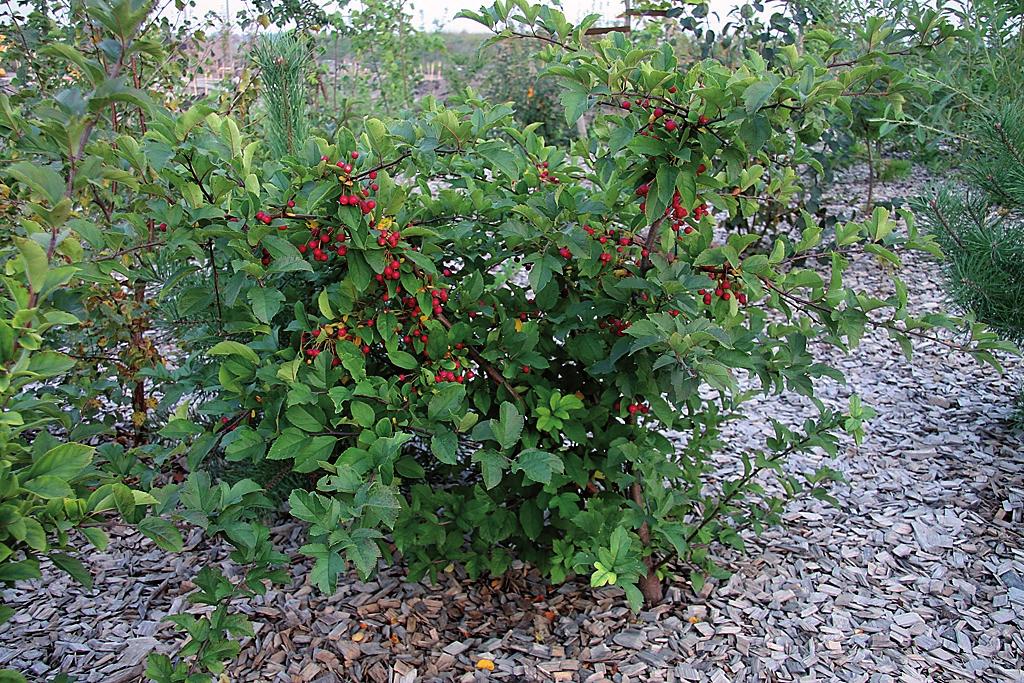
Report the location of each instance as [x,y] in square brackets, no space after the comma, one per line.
[917,575]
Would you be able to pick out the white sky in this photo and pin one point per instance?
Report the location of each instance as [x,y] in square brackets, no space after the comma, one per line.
[439,14]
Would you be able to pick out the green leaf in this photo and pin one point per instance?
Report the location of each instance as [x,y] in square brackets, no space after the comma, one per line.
[44,181]
[362,551]
[287,444]
[444,444]
[537,465]
[404,360]
[163,533]
[532,520]
[509,426]
[233,348]
[74,567]
[36,264]
[265,303]
[757,94]
[304,419]
[492,466]
[445,404]
[97,537]
[363,414]
[50,363]
[328,565]
[47,486]
[64,461]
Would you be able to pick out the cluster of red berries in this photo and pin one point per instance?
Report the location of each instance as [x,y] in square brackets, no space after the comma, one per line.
[616,325]
[392,271]
[264,217]
[388,238]
[676,210]
[320,245]
[633,408]
[724,289]
[438,298]
[265,260]
[459,375]
[609,238]
[545,176]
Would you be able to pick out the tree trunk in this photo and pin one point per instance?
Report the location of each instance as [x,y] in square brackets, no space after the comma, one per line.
[650,585]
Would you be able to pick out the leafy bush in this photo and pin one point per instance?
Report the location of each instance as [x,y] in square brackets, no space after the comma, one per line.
[467,344]
[485,370]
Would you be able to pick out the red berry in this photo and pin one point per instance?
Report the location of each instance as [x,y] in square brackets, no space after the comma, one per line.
[355,155]
[626,104]
[372,175]
[670,125]
[672,89]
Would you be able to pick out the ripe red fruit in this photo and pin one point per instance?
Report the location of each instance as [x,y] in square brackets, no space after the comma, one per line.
[525,369]
[355,155]
[340,164]
[670,125]
[707,299]
[673,89]
[291,203]
[703,120]
[658,112]
[742,298]
[323,158]
[372,175]
[626,104]
[302,248]
[701,168]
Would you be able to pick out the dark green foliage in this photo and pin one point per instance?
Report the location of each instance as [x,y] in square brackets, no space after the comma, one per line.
[984,265]
[981,232]
[284,62]
[997,165]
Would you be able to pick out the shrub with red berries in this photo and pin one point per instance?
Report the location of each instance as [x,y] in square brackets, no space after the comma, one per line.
[478,341]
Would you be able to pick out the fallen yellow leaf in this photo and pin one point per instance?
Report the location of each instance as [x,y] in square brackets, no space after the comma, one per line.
[485,665]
